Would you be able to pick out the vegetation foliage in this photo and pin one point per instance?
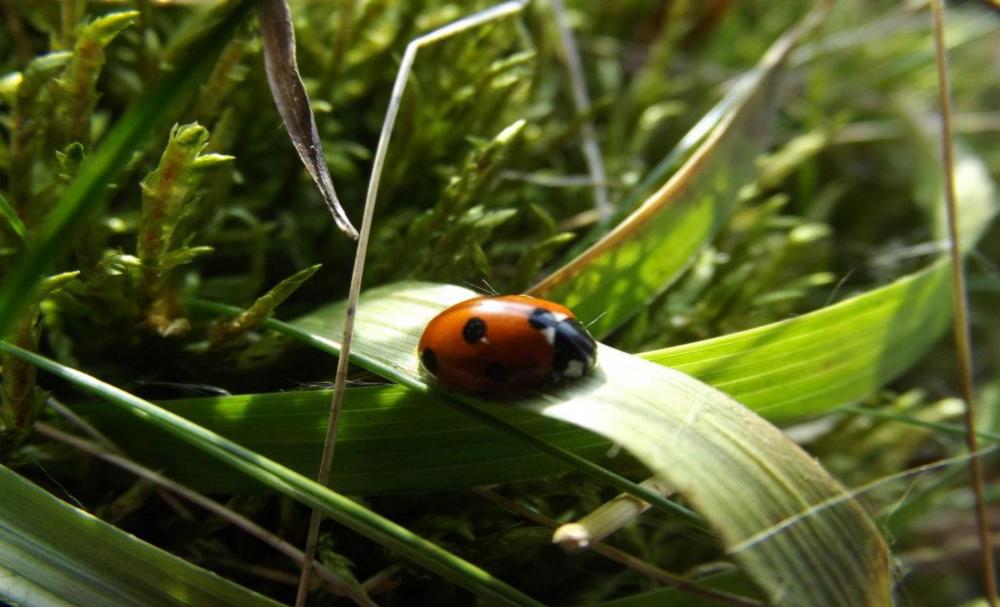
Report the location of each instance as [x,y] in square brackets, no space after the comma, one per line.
[145,171]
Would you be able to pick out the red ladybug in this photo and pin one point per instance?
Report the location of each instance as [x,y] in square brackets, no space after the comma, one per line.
[505,343]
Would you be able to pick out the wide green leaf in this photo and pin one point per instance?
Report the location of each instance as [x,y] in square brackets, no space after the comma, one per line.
[389,436]
[54,554]
[795,531]
[793,528]
[389,440]
[285,481]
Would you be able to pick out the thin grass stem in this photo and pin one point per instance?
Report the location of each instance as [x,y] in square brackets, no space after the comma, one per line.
[402,75]
[581,99]
[337,583]
[912,421]
[963,338]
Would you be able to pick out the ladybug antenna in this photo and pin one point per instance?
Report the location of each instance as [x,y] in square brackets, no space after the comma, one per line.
[599,317]
[474,287]
[489,288]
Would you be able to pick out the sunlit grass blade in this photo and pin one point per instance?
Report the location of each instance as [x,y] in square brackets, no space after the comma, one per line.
[740,472]
[54,554]
[391,436]
[149,114]
[390,439]
[786,371]
[808,365]
[292,484]
[650,248]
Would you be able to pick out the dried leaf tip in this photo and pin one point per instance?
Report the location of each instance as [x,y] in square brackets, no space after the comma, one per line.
[278,38]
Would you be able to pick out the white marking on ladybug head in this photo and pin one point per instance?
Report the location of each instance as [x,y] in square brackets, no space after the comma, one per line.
[550,335]
[574,368]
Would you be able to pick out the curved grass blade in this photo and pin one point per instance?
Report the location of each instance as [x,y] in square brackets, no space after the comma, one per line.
[810,364]
[744,477]
[294,485]
[656,176]
[54,554]
[391,437]
[650,248]
[786,371]
[149,114]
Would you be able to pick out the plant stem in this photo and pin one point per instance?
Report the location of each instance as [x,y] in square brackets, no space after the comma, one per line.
[963,339]
[237,520]
[591,148]
[406,65]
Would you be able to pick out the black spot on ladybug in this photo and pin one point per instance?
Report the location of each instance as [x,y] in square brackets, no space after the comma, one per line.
[474,330]
[497,372]
[429,358]
[541,318]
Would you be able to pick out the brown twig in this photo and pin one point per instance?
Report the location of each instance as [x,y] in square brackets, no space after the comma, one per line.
[108,445]
[963,339]
[338,584]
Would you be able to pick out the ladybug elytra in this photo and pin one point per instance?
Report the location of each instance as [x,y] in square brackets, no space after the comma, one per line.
[505,343]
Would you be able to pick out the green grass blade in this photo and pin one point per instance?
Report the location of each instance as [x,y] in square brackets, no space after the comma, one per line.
[786,371]
[810,364]
[742,474]
[296,486]
[785,521]
[390,439]
[813,363]
[10,216]
[650,248]
[146,117]
[794,530]
[54,554]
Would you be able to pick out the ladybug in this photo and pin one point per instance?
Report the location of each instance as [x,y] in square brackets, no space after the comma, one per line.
[504,344]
